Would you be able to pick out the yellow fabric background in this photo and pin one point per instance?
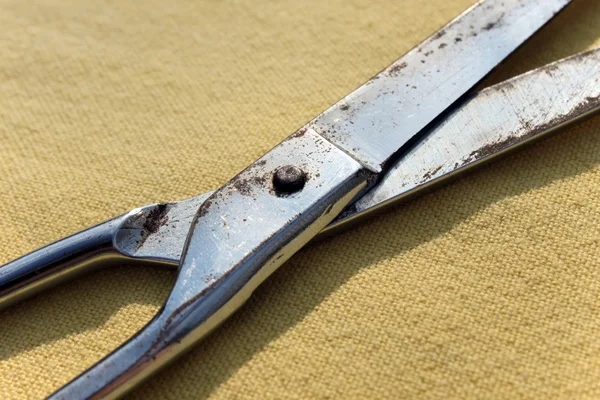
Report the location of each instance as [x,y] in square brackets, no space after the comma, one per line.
[487,288]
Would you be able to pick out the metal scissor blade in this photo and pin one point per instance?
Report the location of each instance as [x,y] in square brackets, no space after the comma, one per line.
[467,138]
[486,125]
[375,121]
[156,233]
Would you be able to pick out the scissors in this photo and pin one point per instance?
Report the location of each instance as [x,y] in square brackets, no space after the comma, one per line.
[413,126]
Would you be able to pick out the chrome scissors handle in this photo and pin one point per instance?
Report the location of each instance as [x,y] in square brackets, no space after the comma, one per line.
[95,247]
[59,261]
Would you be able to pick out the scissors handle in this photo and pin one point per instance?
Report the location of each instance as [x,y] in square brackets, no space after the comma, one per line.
[58,262]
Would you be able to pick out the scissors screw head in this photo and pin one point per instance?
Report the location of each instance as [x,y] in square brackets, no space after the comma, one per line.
[289,179]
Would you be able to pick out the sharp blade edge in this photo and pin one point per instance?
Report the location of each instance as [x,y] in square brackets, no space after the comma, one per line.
[376,120]
[495,120]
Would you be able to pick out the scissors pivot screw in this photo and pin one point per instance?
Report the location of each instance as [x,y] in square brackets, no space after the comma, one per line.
[289,179]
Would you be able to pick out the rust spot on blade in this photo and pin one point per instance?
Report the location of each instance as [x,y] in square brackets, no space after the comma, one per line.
[428,175]
[299,133]
[439,34]
[246,185]
[156,218]
[528,130]
[395,69]
[204,208]
[152,222]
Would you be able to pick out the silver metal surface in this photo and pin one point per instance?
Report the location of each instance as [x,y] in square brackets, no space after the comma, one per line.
[486,125]
[376,120]
[245,230]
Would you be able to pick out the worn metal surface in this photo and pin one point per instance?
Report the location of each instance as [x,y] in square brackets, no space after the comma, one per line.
[289,179]
[495,120]
[378,118]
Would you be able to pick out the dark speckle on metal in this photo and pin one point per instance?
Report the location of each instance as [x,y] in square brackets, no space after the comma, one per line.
[289,179]
[156,218]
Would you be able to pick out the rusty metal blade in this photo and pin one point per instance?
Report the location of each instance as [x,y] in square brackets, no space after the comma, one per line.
[498,119]
[377,119]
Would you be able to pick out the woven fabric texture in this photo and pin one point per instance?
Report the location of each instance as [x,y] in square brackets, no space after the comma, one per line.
[487,288]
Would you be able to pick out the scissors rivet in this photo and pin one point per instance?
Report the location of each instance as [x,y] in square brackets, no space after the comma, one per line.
[289,179]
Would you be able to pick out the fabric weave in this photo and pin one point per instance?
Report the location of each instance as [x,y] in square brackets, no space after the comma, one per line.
[488,288]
